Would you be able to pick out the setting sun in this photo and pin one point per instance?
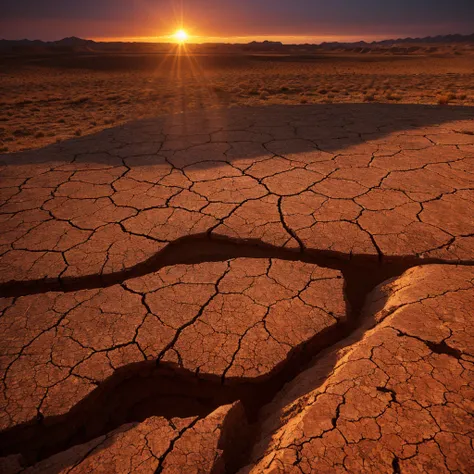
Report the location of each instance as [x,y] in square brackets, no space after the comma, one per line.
[181,36]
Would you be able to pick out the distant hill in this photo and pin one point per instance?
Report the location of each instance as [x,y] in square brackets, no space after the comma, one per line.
[446,39]
[73,45]
[433,39]
[73,41]
[36,46]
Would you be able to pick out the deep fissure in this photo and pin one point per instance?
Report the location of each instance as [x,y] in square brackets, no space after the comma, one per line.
[137,391]
[207,248]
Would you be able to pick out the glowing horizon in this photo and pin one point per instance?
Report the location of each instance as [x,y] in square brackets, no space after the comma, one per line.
[285,39]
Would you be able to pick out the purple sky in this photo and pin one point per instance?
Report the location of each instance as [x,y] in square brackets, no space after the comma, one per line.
[340,19]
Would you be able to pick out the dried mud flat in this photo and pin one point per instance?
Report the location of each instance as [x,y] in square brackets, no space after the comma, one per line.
[256,290]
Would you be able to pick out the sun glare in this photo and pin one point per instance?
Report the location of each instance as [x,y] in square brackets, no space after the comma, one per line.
[181,36]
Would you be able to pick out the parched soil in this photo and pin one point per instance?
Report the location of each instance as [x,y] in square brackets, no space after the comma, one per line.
[278,289]
[48,99]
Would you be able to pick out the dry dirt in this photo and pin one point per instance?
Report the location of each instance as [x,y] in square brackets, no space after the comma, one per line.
[271,289]
[43,100]
[395,398]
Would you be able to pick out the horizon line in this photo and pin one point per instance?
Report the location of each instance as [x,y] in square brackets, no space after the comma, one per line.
[284,39]
[244,39]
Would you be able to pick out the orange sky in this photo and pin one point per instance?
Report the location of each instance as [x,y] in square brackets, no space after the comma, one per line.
[290,21]
[196,39]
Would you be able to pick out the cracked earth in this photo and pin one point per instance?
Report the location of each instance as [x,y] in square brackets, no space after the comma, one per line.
[255,290]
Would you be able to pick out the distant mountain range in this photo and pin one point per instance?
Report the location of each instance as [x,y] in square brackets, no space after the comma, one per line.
[425,40]
[74,44]
[72,41]
[25,45]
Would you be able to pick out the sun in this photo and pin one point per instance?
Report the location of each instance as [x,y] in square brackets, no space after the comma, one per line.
[181,36]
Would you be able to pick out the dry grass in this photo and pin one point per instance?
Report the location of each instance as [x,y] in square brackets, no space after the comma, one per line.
[45,104]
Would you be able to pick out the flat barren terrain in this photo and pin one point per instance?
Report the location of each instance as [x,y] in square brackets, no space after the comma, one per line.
[45,99]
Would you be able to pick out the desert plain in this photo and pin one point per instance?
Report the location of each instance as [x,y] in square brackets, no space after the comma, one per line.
[47,98]
[237,263]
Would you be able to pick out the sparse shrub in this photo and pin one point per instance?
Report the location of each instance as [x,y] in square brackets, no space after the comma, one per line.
[369,98]
[443,100]
[264,95]
[22,132]
[39,135]
[80,101]
[78,132]
[303,100]
[61,121]
[391,96]
[462,96]
[3,149]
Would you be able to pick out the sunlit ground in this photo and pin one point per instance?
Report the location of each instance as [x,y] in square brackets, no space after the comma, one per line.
[41,105]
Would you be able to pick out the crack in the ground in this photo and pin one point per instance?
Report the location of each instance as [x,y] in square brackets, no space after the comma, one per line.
[396,465]
[389,391]
[435,347]
[199,248]
[137,391]
[161,460]
[443,348]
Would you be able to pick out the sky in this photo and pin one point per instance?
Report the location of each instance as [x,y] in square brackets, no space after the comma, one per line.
[290,21]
